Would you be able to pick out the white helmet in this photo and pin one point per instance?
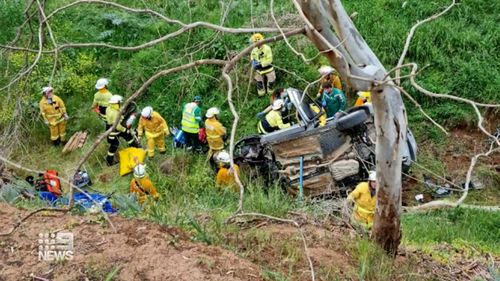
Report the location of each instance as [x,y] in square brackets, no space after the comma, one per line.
[325,70]
[211,112]
[47,89]
[372,176]
[140,171]
[147,112]
[101,83]
[277,104]
[115,99]
[223,157]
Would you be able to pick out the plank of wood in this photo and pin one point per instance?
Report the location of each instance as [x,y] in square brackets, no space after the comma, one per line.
[83,138]
[68,144]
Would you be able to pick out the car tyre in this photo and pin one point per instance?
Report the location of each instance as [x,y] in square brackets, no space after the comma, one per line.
[351,120]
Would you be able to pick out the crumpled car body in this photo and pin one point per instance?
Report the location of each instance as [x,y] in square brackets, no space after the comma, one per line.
[334,157]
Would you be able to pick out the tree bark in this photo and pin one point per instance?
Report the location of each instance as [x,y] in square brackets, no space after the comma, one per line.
[361,69]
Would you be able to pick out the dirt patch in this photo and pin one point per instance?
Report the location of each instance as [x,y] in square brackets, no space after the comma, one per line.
[140,251]
[279,248]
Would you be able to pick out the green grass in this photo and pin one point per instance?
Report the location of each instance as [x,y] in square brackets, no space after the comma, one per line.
[459,227]
[461,50]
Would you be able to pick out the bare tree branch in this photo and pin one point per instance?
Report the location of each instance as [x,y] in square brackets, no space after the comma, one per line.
[459,202]
[410,36]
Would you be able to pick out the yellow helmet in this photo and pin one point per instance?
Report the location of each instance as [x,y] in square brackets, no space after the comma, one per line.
[256,37]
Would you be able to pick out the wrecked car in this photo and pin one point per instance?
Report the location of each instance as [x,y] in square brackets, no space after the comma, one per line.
[324,160]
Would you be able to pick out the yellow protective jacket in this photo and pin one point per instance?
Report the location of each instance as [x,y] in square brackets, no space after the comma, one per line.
[226,178]
[334,81]
[322,117]
[264,56]
[153,127]
[101,98]
[365,203]
[111,115]
[52,112]
[143,187]
[215,133]
[363,97]
[272,122]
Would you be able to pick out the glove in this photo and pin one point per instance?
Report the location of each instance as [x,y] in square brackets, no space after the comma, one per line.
[46,122]
[139,138]
[260,115]
[66,117]
[130,121]
[256,65]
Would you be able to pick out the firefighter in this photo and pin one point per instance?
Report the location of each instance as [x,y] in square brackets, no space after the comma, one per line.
[142,185]
[216,132]
[322,118]
[364,199]
[329,75]
[273,121]
[54,115]
[112,112]
[333,100]
[191,119]
[363,98]
[225,175]
[262,63]
[155,128]
[101,98]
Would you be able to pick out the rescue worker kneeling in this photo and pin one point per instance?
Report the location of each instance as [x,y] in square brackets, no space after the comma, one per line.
[112,112]
[273,121]
[364,199]
[155,128]
[225,175]
[142,185]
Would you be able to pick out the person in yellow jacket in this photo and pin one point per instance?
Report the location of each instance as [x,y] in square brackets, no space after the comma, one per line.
[363,98]
[112,112]
[330,76]
[262,63]
[191,119]
[54,115]
[101,98]
[225,175]
[142,185]
[322,118]
[155,128]
[216,132]
[273,121]
[365,199]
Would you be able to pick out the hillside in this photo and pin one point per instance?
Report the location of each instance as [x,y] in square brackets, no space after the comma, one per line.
[459,55]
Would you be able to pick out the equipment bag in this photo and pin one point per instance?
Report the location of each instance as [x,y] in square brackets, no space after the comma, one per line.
[52,182]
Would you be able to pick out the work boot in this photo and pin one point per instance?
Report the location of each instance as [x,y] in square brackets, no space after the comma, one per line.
[110,161]
[163,152]
[56,142]
[261,92]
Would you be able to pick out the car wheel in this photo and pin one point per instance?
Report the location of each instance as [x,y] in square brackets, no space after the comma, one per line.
[351,120]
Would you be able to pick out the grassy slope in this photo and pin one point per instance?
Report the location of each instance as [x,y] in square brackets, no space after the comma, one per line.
[461,48]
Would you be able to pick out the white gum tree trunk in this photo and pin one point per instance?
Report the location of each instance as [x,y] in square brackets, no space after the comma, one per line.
[331,30]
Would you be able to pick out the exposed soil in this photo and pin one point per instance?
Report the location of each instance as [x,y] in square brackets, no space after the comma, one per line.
[146,251]
[142,251]
[456,155]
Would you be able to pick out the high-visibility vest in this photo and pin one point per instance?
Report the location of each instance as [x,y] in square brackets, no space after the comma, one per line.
[189,122]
